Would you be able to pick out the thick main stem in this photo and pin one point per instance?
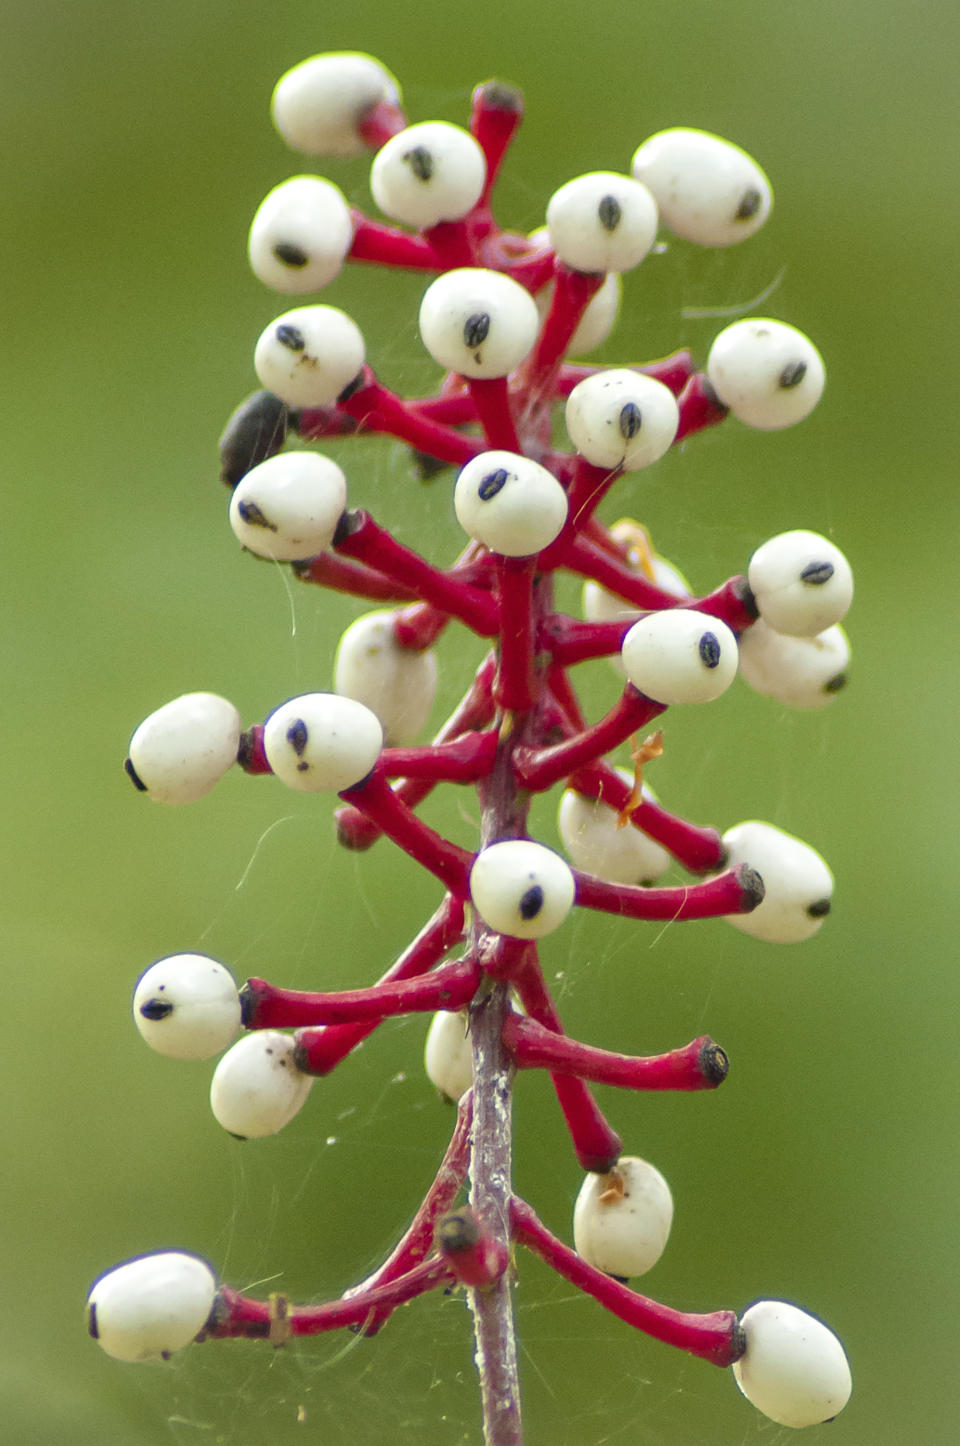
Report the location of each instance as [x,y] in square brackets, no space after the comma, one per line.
[503,815]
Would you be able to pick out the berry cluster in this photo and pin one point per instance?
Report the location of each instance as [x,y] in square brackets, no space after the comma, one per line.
[501,318]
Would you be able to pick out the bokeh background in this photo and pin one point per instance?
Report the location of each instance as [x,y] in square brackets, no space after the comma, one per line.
[135,146]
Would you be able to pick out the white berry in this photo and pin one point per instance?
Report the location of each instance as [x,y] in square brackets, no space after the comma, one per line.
[319,104]
[428,173]
[622,1219]
[300,235]
[397,684]
[187,1006]
[322,743]
[147,1308]
[477,322]
[797,881]
[602,222]
[622,419]
[447,1055]
[769,374]
[802,583]
[794,1369]
[521,888]
[308,356]
[256,1088]
[680,656]
[288,507]
[799,672]
[510,503]
[179,752]
[597,845]
[707,189]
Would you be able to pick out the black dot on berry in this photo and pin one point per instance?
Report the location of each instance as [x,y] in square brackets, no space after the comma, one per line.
[476,328]
[290,255]
[133,776]
[749,205]
[819,909]
[792,375]
[493,483]
[420,162]
[630,421]
[291,337]
[609,213]
[297,736]
[252,515]
[709,649]
[155,1009]
[817,573]
[532,902]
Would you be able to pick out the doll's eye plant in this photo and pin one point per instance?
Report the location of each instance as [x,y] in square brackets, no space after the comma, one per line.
[501,316]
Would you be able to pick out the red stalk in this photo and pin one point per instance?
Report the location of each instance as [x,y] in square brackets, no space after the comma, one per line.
[449,863]
[239,1315]
[362,538]
[596,1144]
[388,246]
[377,409]
[514,689]
[699,407]
[491,399]
[715,1337]
[698,849]
[384,120]
[462,760]
[266,1006]
[540,768]
[495,116]
[699,1065]
[417,1240]
[331,1045]
[352,578]
[736,892]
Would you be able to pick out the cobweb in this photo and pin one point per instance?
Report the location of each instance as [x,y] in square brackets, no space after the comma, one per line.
[311,1213]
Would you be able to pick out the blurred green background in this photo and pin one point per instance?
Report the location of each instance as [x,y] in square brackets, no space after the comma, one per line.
[135,147]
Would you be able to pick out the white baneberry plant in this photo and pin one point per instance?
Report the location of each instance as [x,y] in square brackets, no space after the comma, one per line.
[501,316]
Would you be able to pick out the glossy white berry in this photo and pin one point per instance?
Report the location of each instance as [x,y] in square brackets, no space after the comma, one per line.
[591,837]
[185,747]
[680,656]
[601,606]
[428,173]
[256,1088]
[477,322]
[622,419]
[319,104]
[308,356]
[447,1055]
[801,582]
[800,672]
[300,235]
[600,313]
[707,189]
[769,374]
[602,222]
[622,1219]
[510,503]
[322,743]
[187,1006]
[287,508]
[794,1369]
[147,1308]
[521,888]
[797,881]
[397,684]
